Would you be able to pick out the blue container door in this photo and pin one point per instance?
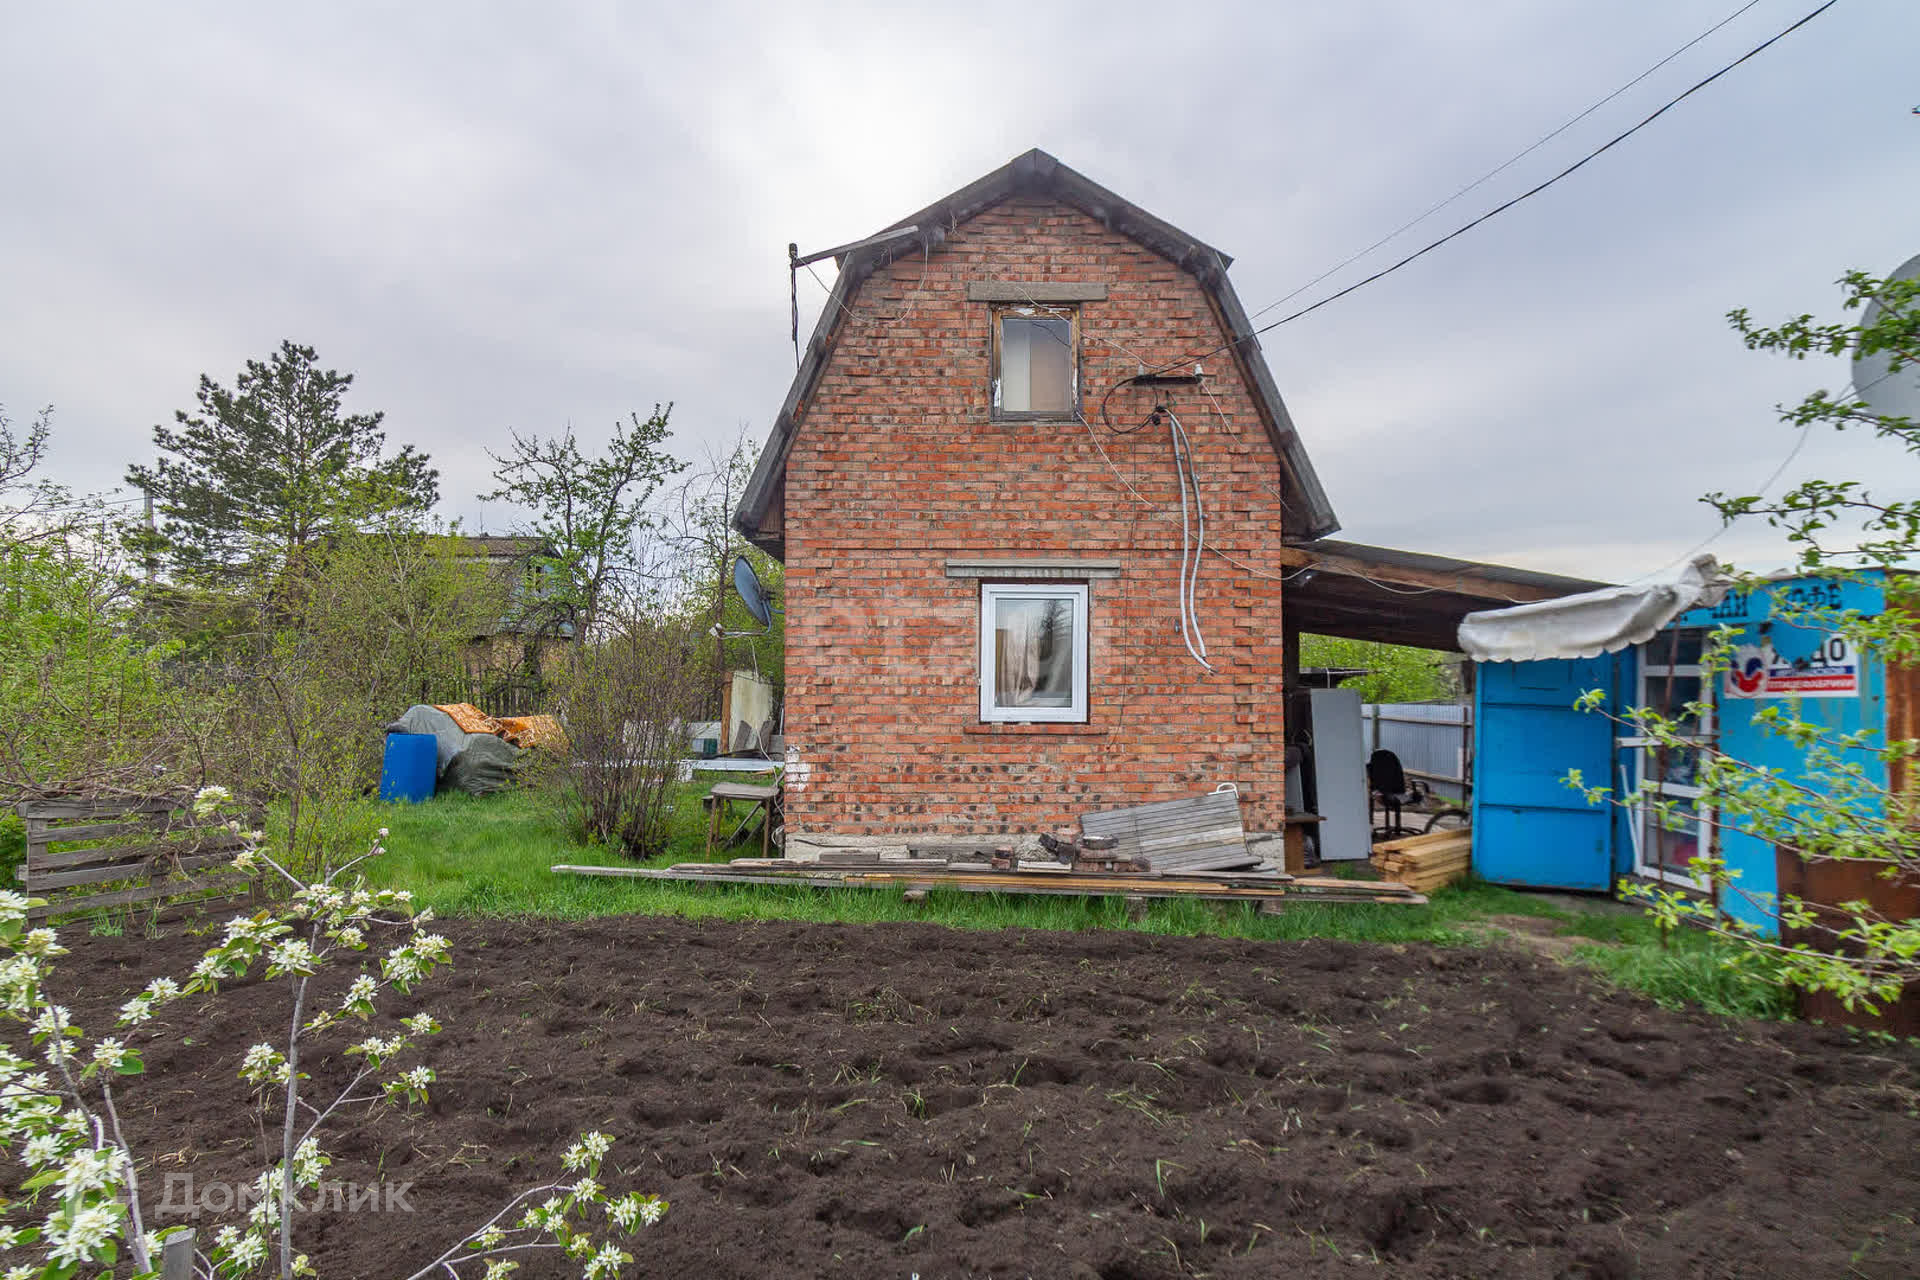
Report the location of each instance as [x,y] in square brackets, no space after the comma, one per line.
[1529,827]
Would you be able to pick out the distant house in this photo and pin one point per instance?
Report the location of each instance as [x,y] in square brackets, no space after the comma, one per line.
[527,636]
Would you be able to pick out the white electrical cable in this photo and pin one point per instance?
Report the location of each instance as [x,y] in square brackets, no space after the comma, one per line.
[1180,476]
[1200,542]
[1192,547]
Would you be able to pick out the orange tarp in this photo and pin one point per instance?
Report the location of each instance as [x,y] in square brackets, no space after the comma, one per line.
[533,731]
[470,718]
[521,731]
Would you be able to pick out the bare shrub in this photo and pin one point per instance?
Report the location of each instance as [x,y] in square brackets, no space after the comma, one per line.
[626,701]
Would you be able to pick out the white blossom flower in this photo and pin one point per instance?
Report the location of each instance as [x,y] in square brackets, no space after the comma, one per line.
[53,1020]
[246,1251]
[13,906]
[89,1170]
[422,1024]
[308,1161]
[294,955]
[419,1077]
[363,990]
[607,1262]
[41,1148]
[109,1053]
[264,1064]
[652,1209]
[42,942]
[402,965]
[383,833]
[592,1146]
[585,1189]
[9,1236]
[82,1237]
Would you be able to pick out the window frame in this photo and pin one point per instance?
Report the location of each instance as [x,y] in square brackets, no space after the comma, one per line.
[1070,312]
[1656,671]
[1079,710]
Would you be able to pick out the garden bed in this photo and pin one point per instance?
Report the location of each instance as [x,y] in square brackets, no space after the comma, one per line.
[894,1099]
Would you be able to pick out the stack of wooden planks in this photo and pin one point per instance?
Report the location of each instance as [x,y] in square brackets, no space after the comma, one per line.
[1428,862]
[918,874]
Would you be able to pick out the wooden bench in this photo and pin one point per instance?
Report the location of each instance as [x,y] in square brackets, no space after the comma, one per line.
[724,794]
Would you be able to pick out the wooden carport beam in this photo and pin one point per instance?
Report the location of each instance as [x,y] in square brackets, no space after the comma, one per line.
[1459,582]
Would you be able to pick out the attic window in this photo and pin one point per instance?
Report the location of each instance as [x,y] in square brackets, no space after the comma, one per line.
[1036,372]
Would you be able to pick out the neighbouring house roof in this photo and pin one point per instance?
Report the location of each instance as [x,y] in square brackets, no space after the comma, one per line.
[1309,514]
[504,554]
[501,546]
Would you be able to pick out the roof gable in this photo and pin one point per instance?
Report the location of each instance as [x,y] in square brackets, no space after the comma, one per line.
[1036,173]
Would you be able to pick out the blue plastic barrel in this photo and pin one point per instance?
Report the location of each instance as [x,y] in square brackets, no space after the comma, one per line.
[411,767]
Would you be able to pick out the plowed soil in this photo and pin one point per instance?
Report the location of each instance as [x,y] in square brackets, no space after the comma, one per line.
[897,1100]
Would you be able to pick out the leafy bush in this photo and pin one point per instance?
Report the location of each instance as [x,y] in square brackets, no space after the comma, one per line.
[626,703]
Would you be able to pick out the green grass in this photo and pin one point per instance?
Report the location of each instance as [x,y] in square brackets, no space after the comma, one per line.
[489,857]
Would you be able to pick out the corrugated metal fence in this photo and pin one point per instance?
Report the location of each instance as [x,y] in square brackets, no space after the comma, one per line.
[1432,739]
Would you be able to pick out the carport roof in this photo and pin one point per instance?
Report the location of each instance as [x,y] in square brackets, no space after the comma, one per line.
[1402,597]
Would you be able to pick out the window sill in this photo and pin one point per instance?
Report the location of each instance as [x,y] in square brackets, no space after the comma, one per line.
[1052,728]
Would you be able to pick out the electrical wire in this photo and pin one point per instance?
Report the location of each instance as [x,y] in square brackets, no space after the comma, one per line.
[1780,470]
[1189,579]
[1495,172]
[1499,209]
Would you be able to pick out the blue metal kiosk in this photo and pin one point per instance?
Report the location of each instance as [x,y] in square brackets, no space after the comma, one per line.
[1532,830]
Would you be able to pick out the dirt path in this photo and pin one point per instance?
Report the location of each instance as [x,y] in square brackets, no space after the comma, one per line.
[899,1099]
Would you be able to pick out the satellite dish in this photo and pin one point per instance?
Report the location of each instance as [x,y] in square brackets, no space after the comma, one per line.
[747,583]
[1890,392]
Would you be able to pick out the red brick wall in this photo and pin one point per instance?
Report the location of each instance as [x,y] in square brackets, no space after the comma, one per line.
[897,466]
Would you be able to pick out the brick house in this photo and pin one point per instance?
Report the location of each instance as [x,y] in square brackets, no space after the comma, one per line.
[980,516]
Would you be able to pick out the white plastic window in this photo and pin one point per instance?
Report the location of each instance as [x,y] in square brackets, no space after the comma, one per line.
[1033,652]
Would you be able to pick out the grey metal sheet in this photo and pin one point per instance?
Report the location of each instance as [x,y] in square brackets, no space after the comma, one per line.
[1196,833]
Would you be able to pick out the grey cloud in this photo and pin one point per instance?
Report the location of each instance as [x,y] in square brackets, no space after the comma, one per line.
[519,216]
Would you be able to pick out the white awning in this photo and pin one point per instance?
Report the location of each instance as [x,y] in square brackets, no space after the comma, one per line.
[1593,622]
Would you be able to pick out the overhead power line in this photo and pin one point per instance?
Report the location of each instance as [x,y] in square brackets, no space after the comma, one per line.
[1499,209]
[1496,171]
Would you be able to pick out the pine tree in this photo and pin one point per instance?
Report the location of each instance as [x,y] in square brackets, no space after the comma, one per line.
[268,468]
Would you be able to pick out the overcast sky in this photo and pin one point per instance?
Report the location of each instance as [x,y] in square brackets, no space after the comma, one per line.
[505,216]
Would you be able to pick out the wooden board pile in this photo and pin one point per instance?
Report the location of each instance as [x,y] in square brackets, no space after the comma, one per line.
[1428,862]
[915,875]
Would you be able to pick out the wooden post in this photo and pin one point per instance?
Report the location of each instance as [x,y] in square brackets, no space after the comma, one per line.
[176,1256]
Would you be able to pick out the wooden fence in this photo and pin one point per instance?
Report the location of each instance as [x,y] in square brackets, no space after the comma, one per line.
[91,854]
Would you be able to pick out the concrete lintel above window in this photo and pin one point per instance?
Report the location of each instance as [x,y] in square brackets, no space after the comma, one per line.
[1036,291]
[1040,569]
